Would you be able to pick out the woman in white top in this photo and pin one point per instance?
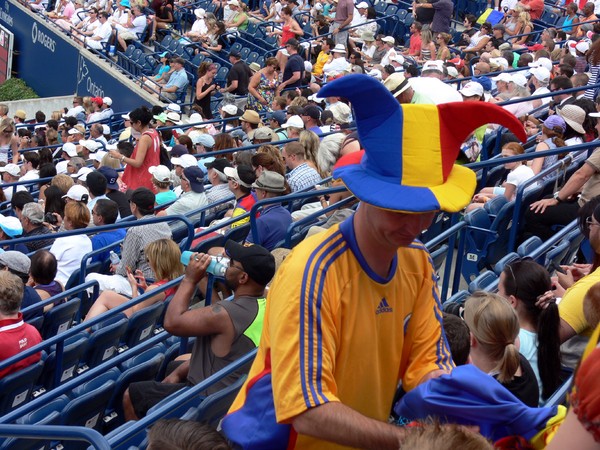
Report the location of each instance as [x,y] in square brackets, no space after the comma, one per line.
[69,251]
[524,283]
[519,173]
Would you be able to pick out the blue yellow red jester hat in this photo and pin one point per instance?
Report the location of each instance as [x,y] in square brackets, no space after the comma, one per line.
[411,150]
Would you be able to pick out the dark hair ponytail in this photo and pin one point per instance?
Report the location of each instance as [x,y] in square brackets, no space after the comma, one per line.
[549,349]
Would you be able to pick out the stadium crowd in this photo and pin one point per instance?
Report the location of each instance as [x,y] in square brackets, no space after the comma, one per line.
[351,330]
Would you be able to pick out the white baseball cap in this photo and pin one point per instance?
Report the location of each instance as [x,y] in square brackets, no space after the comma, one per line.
[11,169]
[519,79]
[160,173]
[471,89]
[294,121]
[184,161]
[77,192]
[82,174]
[506,77]
[107,101]
[541,73]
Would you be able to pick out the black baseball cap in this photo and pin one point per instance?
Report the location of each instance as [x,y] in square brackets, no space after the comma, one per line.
[235,54]
[218,164]
[257,261]
[143,198]
[312,111]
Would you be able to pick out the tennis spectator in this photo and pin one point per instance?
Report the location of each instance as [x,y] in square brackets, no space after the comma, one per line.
[301,175]
[105,212]
[17,335]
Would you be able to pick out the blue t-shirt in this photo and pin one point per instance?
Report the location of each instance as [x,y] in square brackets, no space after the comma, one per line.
[178,78]
[103,239]
[272,225]
[165,197]
[295,63]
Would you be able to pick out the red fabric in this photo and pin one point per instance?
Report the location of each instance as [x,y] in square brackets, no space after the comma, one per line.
[15,340]
[585,398]
[286,34]
[135,177]
[168,292]
[537,8]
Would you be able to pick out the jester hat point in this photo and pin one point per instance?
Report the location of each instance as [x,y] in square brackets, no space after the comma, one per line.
[411,150]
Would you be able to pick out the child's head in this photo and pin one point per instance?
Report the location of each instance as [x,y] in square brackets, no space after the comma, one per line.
[457,335]
[512,149]
[434,436]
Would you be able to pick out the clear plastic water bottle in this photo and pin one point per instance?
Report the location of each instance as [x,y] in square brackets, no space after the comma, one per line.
[217,266]
[114,258]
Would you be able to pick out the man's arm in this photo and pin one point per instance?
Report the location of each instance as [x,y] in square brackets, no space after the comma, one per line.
[571,188]
[341,424]
[184,322]
[231,87]
[129,255]
[348,19]
[295,77]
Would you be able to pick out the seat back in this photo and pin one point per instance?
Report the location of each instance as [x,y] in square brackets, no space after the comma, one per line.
[17,387]
[529,246]
[141,324]
[72,355]
[87,410]
[104,342]
[555,256]
[483,281]
[60,318]
[500,265]
[143,371]
[439,256]
[214,407]
[494,206]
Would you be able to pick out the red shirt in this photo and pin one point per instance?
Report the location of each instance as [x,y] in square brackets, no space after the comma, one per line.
[135,177]
[15,337]
[537,8]
[415,44]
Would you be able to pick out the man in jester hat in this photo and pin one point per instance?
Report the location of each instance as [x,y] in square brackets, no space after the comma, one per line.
[354,310]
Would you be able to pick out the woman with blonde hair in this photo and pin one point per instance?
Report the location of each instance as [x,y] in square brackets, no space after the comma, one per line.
[524,26]
[443,52]
[427,47]
[9,142]
[310,141]
[494,329]
[164,259]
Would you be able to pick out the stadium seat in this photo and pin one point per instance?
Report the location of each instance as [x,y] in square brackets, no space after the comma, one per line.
[575,238]
[483,281]
[499,266]
[555,256]
[438,256]
[87,410]
[60,318]
[17,387]
[530,245]
[141,324]
[494,206]
[72,355]
[144,371]
[49,414]
[214,407]
[486,239]
[104,342]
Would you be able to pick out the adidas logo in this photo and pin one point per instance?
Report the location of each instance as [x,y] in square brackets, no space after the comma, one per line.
[383,307]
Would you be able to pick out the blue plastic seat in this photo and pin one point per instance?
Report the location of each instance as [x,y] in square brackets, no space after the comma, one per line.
[530,245]
[72,354]
[60,318]
[49,414]
[145,370]
[500,265]
[16,388]
[104,343]
[483,281]
[141,324]
[214,407]
[555,256]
